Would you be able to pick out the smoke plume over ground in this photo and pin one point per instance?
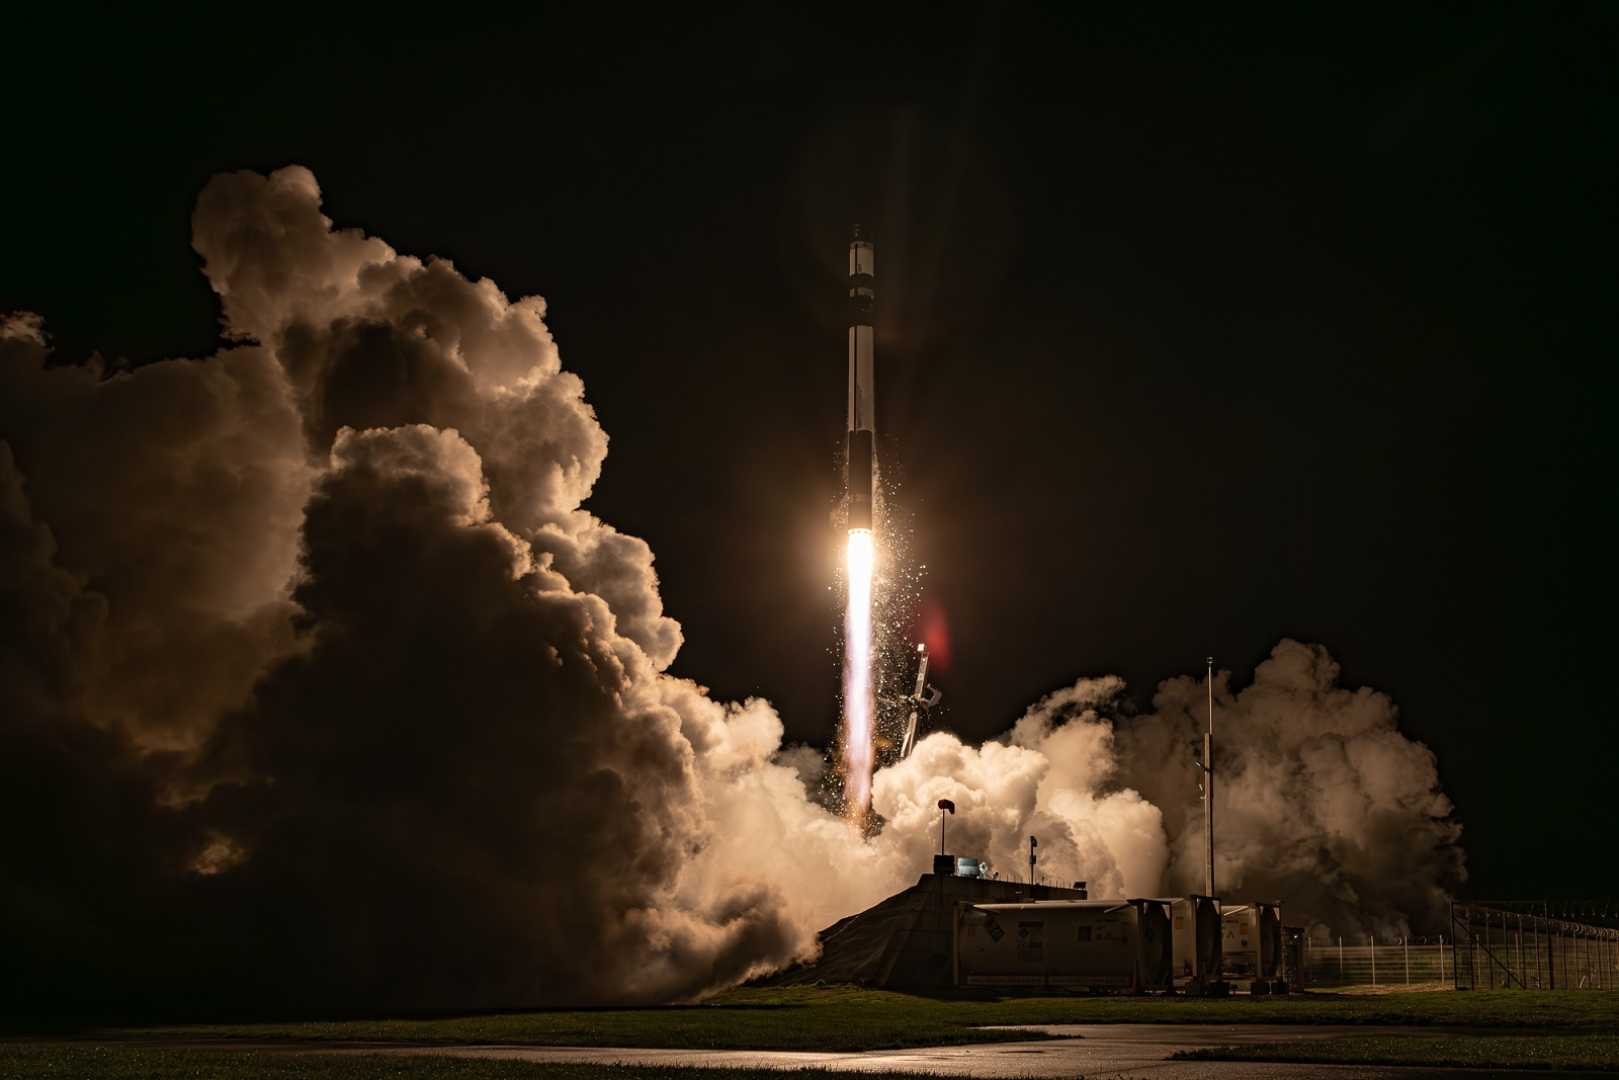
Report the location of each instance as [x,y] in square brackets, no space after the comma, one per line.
[318,684]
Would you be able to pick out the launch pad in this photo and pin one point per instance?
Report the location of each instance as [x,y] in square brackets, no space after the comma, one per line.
[904,943]
[954,932]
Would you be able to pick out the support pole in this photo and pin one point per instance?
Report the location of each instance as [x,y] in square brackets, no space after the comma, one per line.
[1521,951]
[1208,789]
[1551,947]
[1535,935]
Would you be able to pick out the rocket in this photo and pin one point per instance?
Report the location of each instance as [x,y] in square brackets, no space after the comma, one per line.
[862,449]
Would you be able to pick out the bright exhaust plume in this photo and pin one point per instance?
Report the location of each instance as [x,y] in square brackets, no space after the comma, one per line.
[859,697]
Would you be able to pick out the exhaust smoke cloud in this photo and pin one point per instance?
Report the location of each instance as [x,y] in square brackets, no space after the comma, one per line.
[319,684]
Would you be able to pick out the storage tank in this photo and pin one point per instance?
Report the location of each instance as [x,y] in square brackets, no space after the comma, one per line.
[1251,945]
[1196,930]
[1121,946]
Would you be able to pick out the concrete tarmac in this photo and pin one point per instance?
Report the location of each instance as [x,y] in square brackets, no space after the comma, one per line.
[1127,1051]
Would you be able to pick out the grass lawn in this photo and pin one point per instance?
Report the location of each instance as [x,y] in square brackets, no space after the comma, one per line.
[85,1062]
[845,1018]
[1589,1052]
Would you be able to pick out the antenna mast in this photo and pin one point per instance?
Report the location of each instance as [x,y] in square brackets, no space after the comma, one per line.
[1208,789]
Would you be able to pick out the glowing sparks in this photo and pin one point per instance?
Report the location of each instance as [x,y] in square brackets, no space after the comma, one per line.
[859,696]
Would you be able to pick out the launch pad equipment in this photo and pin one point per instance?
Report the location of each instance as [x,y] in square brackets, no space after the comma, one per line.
[906,941]
[1114,946]
[1196,932]
[1296,957]
[922,701]
[1251,947]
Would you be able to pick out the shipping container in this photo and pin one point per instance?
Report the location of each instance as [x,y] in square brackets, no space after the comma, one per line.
[1196,931]
[1251,946]
[1116,946]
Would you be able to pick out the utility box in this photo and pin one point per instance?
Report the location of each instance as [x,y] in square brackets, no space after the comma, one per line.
[1196,932]
[1251,946]
[1111,946]
[1295,958]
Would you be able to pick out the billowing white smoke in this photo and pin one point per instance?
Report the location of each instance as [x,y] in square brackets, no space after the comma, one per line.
[1319,799]
[1321,802]
[317,674]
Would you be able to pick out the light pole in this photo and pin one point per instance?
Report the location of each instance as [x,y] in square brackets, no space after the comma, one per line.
[1207,765]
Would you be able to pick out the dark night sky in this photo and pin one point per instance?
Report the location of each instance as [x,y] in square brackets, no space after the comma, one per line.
[1191,336]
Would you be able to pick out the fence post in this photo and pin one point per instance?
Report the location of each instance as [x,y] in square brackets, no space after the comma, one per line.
[1534,930]
[1489,954]
[1456,977]
[1562,952]
[1472,951]
[1373,939]
[1441,957]
[1455,954]
[1551,949]
[1405,943]
[1521,983]
[1341,961]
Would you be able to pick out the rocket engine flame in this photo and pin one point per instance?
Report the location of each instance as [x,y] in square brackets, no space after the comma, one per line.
[859,696]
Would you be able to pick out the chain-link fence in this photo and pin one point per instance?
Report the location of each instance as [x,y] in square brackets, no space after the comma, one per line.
[1515,946]
[1393,963]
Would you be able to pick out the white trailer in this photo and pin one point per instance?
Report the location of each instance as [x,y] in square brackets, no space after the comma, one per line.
[1113,946]
[1196,931]
[1251,946]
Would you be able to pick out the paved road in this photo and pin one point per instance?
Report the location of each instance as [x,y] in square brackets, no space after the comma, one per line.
[1127,1051]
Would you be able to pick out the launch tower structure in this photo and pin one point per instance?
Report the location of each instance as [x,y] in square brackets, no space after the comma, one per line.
[921,701]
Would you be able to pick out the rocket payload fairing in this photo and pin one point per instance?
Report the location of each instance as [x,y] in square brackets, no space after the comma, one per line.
[862,449]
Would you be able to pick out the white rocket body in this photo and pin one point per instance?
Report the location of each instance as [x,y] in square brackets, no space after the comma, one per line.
[862,448]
